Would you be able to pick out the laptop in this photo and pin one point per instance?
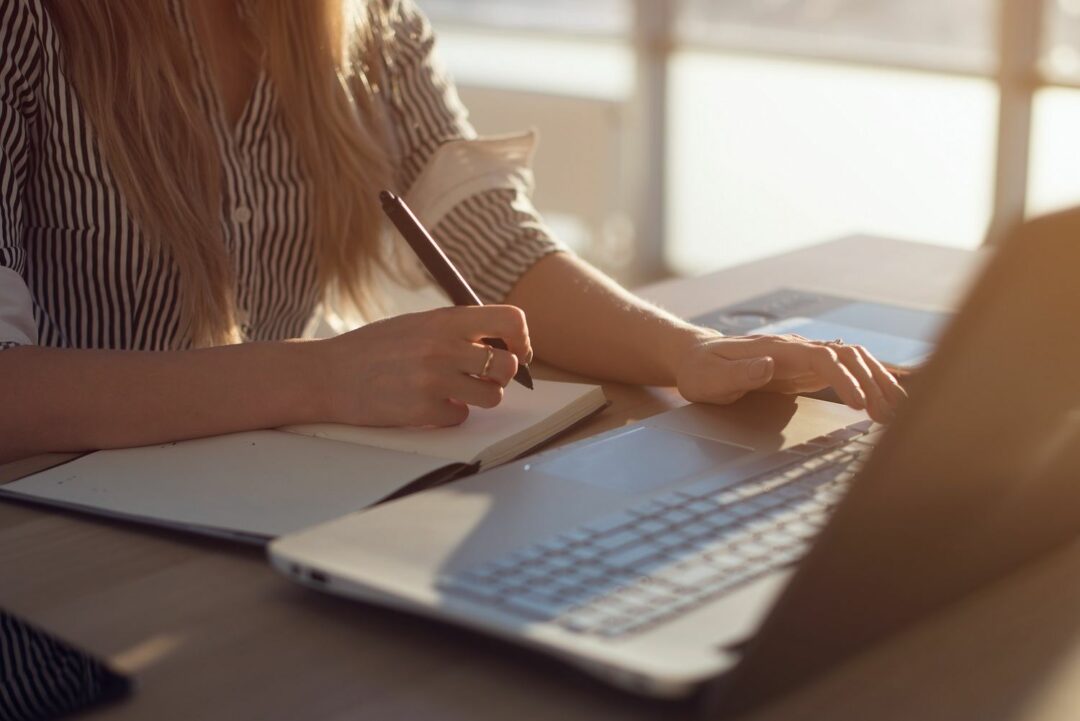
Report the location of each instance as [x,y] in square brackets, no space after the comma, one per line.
[901,337]
[738,552]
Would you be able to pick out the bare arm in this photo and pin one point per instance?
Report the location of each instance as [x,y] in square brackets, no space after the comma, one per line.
[583,321]
[416,369]
[74,400]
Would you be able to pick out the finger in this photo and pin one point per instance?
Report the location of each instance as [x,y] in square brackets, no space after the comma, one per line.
[877,405]
[475,391]
[811,383]
[491,321]
[444,412]
[726,381]
[501,369]
[885,380]
[824,361]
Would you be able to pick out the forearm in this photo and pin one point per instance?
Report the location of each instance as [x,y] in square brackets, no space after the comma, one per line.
[74,400]
[581,320]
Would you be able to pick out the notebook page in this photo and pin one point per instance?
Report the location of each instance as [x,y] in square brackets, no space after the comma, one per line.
[263,483]
[520,412]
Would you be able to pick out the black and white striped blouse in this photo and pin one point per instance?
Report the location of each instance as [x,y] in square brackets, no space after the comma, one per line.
[76,272]
[42,677]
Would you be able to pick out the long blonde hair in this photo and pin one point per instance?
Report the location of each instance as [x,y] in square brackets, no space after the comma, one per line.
[136,79]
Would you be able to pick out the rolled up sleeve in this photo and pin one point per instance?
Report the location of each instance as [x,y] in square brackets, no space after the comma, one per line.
[19,64]
[472,192]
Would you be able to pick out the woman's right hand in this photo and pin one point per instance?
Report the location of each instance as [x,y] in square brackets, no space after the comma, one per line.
[421,369]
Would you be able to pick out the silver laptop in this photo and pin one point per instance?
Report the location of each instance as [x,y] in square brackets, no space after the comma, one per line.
[902,337]
[737,552]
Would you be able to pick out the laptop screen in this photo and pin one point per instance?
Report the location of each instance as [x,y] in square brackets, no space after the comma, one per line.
[977,477]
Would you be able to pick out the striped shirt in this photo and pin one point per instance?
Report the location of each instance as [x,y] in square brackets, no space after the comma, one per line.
[42,677]
[76,271]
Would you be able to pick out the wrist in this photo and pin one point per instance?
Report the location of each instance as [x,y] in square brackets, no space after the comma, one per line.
[305,373]
[686,338]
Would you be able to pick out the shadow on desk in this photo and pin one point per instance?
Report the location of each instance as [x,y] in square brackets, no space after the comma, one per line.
[1007,653]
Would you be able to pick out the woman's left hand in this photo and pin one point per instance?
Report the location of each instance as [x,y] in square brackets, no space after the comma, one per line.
[722,369]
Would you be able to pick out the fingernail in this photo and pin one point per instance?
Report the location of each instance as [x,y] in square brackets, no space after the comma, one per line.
[759,369]
[528,358]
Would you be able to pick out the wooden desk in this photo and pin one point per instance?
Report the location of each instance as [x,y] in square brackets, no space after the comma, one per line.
[212,633]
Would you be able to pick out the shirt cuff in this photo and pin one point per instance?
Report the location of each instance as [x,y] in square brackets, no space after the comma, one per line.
[494,238]
[466,167]
[17,326]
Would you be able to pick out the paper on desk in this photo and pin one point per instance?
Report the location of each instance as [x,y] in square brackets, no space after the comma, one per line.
[262,483]
[523,414]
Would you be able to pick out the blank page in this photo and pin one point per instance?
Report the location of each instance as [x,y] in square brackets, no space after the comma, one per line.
[264,483]
[519,413]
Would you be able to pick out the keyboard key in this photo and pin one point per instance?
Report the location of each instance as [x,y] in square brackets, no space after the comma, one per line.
[727,497]
[584,553]
[815,463]
[560,562]
[631,556]
[752,549]
[651,526]
[529,607]
[725,560]
[669,541]
[743,510]
[776,538]
[845,434]
[584,619]
[698,529]
[617,539]
[802,529]
[701,507]
[721,520]
[690,575]
[677,516]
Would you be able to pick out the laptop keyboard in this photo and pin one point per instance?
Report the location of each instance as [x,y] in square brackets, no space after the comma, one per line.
[654,561]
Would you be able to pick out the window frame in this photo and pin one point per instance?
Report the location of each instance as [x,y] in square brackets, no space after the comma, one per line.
[1016,71]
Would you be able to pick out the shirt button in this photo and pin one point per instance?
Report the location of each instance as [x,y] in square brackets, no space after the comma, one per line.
[241,214]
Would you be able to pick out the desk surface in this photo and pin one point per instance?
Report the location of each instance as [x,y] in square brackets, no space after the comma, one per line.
[211,632]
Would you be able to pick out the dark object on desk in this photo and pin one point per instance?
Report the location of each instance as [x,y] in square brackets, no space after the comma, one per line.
[900,337]
[41,677]
[440,267]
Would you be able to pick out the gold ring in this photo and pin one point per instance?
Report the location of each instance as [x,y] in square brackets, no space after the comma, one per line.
[487,362]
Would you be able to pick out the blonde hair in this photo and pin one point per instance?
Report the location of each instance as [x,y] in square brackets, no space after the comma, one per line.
[136,80]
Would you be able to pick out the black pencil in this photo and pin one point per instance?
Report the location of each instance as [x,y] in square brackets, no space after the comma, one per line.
[440,267]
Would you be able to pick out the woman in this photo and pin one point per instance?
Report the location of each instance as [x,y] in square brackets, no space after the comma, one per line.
[178,176]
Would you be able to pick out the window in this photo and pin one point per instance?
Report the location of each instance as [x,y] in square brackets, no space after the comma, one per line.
[787,122]
[601,17]
[1055,159]
[954,33]
[802,120]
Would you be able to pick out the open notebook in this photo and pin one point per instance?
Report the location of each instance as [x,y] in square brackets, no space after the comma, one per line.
[262,484]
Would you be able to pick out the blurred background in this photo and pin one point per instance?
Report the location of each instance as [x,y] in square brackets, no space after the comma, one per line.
[682,136]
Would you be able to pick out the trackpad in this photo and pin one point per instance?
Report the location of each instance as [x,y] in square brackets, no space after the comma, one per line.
[641,459]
